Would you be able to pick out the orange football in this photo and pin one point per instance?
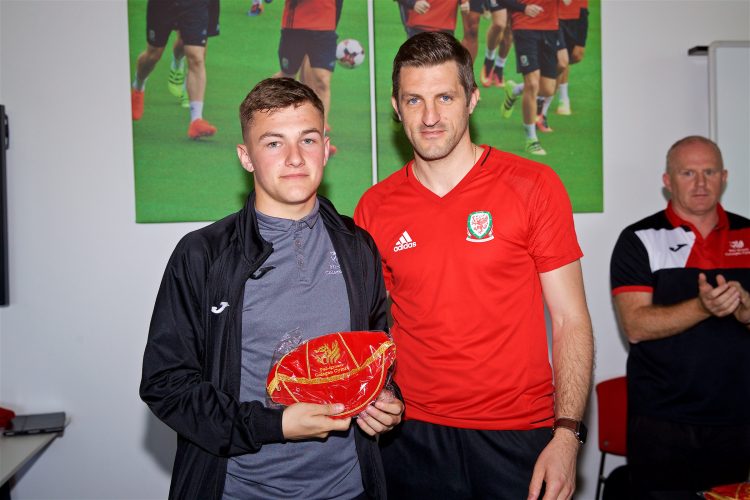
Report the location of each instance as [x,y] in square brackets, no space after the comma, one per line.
[344,367]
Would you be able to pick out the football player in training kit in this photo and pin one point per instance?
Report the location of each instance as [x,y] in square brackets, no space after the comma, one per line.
[191,19]
[540,57]
[308,33]
[574,28]
[420,16]
[498,34]
[500,38]
[178,66]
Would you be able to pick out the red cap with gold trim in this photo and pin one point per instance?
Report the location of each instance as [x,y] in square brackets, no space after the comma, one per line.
[344,367]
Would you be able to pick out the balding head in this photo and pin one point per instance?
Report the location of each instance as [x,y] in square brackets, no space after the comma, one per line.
[673,155]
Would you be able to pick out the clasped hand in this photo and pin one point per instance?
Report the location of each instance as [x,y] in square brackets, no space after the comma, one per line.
[727,297]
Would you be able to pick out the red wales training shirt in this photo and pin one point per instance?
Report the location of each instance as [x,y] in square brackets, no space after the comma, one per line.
[463,274]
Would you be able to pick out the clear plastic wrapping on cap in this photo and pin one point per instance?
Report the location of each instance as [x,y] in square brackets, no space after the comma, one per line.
[350,368]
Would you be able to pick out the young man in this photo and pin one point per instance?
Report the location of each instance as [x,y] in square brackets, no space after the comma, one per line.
[467,299]
[680,281]
[191,19]
[287,262]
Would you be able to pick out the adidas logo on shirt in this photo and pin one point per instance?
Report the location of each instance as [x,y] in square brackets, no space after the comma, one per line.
[404,243]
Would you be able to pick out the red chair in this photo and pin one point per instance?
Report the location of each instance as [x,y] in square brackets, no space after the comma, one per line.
[612,406]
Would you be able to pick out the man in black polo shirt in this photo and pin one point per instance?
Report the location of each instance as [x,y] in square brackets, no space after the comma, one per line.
[679,280]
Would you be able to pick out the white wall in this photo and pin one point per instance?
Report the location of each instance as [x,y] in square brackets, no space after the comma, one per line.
[84,275]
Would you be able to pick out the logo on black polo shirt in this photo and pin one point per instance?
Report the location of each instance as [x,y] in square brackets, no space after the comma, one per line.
[736,248]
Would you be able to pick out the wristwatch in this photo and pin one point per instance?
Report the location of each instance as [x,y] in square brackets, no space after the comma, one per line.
[575,426]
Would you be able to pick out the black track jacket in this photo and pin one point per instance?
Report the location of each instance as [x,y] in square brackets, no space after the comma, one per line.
[191,365]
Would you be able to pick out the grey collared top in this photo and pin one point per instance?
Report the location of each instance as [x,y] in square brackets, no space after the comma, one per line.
[304,294]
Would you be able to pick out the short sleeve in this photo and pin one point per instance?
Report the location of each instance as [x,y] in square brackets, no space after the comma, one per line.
[552,236]
[630,270]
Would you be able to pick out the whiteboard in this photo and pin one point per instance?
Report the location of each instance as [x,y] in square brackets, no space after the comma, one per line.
[729,114]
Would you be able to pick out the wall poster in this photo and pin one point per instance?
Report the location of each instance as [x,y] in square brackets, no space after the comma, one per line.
[179,178]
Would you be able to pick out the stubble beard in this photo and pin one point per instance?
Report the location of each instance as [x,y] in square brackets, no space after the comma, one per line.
[428,151]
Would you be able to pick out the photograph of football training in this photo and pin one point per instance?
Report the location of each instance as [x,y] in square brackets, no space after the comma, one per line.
[185,97]
[186,90]
[568,127]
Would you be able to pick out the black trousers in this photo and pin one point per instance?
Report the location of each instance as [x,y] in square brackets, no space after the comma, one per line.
[674,461]
[427,461]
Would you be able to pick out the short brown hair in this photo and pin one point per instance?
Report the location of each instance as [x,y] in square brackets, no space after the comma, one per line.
[692,139]
[431,49]
[273,94]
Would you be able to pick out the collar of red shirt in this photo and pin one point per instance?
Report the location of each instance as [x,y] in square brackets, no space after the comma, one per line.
[677,221]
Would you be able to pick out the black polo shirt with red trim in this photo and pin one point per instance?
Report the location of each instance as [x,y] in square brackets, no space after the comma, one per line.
[701,376]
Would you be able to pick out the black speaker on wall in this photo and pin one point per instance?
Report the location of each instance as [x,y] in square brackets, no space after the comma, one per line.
[4,145]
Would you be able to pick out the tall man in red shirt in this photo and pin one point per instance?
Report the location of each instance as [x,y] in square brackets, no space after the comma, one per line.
[473,242]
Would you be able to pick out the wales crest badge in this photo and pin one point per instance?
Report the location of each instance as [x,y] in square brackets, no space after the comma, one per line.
[479,227]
